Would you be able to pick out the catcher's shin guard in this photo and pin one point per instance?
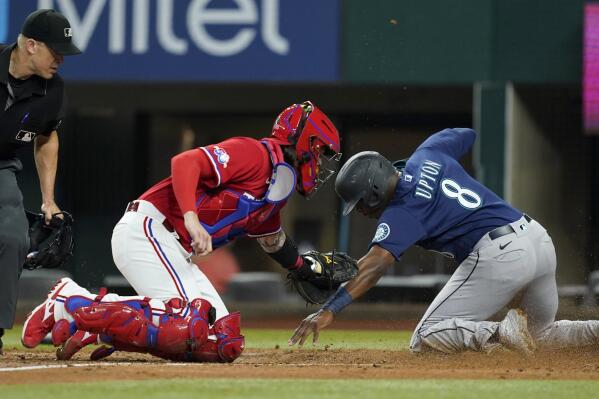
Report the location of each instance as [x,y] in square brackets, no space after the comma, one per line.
[118,321]
[176,335]
[229,342]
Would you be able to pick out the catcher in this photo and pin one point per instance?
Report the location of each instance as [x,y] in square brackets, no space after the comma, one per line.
[218,193]
[172,330]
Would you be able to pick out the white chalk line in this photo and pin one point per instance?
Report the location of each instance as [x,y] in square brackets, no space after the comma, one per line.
[62,366]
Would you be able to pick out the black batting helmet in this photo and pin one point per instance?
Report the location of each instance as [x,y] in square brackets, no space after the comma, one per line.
[364,177]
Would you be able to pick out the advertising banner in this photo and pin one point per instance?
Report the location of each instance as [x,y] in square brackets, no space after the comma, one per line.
[194,40]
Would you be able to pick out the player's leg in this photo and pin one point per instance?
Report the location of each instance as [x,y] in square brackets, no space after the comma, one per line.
[156,265]
[54,316]
[481,286]
[14,243]
[43,318]
[72,335]
[151,259]
[206,290]
[540,302]
[539,299]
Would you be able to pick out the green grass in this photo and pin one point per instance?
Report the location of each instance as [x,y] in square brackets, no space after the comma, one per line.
[336,339]
[270,338]
[297,388]
[12,341]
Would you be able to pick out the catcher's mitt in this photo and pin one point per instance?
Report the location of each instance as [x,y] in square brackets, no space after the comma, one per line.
[330,270]
[51,244]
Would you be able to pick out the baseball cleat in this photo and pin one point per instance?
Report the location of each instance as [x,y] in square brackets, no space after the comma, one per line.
[513,333]
[41,319]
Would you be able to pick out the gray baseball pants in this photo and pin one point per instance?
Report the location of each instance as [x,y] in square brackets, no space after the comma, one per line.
[14,243]
[516,269]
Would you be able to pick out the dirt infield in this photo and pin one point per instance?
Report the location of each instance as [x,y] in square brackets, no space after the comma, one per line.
[306,363]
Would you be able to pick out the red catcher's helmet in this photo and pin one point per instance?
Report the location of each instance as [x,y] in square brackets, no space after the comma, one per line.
[313,135]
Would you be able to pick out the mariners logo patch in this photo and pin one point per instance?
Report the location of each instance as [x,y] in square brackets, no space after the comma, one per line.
[221,155]
[382,232]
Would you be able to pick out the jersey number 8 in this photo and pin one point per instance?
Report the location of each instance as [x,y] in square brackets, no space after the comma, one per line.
[466,198]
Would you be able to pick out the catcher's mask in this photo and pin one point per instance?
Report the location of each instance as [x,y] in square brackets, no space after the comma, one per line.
[316,143]
[364,177]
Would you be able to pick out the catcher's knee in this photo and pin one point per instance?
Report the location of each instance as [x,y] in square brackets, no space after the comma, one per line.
[229,342]
[231,348]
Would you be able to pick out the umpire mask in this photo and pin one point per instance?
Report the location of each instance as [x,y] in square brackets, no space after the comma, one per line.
[364,177]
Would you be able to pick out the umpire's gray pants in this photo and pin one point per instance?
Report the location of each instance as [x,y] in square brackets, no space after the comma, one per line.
[518,266]
[14,243]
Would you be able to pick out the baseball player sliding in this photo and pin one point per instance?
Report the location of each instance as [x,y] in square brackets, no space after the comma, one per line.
[220,192]
[504,256]
[174,329]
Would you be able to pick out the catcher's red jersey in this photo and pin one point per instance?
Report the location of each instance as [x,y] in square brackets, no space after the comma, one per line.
[232,177]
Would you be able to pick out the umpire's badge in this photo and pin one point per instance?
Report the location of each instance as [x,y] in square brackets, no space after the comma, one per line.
[25,136]
[382,232]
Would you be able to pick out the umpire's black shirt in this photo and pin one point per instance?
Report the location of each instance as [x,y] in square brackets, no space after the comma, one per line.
[27,107]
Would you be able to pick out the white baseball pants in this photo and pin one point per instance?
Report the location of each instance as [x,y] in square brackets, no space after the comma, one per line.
[153,261]
[515,267]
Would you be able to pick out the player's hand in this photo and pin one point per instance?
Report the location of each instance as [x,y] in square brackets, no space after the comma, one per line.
[311,325]
[201,241]
[49,209]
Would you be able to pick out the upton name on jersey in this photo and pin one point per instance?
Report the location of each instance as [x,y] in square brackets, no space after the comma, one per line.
[427,183]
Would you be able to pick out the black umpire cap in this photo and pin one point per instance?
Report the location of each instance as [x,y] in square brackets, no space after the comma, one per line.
[364,177]
[52,28]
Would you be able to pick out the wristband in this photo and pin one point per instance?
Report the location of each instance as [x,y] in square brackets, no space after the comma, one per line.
[288,256]
[338,301]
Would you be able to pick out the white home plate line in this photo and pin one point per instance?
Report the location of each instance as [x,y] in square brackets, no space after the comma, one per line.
[61,366]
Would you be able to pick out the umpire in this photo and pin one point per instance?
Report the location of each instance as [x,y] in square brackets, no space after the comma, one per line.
[31,100]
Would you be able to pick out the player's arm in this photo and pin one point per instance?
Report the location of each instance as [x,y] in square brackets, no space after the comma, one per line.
[281,248]
[46,162]
[371,267]
[454,142]
[186,169]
